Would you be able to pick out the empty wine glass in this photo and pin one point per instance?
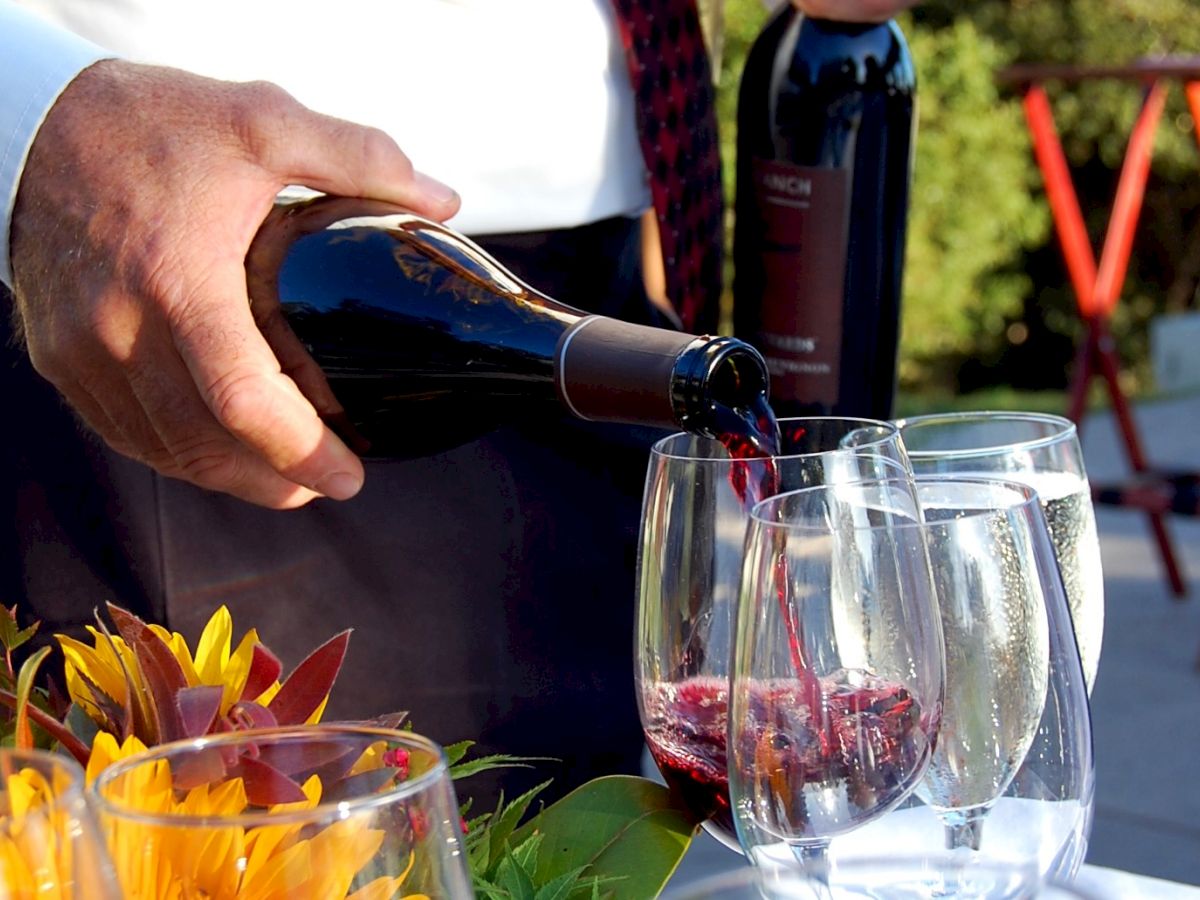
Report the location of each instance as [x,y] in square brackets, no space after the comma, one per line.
[1042,451]
[1014,750]
[50,845]
[695,508]
[330,811]
[837,670]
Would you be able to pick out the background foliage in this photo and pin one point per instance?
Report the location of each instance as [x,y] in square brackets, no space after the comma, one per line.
[987,300]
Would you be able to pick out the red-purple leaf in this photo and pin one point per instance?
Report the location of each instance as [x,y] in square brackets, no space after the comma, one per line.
[138,715]
[372,781]
[249,715]
[391,720]
[206,765]
[161,672]
[265,785]
[265,669]
[331,758]
[198,708]
[310,682]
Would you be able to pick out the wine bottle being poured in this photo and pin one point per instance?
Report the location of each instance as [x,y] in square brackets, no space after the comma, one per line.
[409,338]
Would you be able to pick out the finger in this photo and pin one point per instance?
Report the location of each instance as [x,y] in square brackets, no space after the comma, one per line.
[194,446]
[294,359]
[340,157]
[96,418]
[240,381]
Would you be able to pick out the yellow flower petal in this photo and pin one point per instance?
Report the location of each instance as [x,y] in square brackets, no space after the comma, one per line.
[212,651]
[383,888]
[82,660]
[237,670]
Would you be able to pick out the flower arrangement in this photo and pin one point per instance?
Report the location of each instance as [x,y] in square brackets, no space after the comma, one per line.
[139,686]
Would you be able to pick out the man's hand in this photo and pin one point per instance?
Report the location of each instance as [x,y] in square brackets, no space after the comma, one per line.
[140,197]
[853,10]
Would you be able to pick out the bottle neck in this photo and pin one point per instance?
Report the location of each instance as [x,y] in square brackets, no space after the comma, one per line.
[612,371]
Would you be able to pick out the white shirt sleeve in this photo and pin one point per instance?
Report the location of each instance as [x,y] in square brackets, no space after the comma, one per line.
[37,60]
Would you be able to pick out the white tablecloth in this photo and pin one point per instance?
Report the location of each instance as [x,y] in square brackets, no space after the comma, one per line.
[1113,884]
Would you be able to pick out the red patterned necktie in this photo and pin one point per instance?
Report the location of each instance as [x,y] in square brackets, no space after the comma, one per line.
[673,83]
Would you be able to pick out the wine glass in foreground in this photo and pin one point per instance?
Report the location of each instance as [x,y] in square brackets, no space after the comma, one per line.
[50,845]
[837,671]
[1012,776]
[1042,451]
[320,811]
[696,504]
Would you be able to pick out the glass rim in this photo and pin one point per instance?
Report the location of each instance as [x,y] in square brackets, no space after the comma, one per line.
[658,448]
[36,757]
[1028,495]
[338,809]
[1067,429]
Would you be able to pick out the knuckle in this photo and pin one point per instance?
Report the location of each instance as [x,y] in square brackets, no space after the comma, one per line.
[259,115]
[240,402]
[209,463]
[381,152]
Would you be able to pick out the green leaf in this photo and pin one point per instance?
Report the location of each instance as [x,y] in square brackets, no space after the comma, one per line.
[12,637]
[506,820]
[561,887]
[495,761]
[526,853]
[487,890]
[513,878]
[25,680]
[617,827]
[455,752]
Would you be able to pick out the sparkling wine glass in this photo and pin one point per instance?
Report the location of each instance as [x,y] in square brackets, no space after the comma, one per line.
[696,504]
[1042,451]
[50,845]
[330,811]
[837,670]
[1012,776]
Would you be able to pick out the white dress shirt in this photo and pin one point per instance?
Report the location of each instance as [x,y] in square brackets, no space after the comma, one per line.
[523,106]
[36,63]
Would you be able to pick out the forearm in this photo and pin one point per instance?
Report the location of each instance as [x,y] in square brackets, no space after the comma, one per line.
[39,61]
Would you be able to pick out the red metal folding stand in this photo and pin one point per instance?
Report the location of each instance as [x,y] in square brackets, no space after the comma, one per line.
[1098,288]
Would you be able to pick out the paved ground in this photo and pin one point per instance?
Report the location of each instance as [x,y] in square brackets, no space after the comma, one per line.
[1146,703]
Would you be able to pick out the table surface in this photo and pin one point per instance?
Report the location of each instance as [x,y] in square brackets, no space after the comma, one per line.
[1113,884]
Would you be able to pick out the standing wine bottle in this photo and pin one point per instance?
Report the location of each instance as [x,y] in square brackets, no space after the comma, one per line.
[824,146]
[423,341]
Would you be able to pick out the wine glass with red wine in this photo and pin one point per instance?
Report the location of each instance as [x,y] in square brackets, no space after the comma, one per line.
[697,501]
[837,674]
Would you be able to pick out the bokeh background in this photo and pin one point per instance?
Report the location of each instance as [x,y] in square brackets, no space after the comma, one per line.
[989,318]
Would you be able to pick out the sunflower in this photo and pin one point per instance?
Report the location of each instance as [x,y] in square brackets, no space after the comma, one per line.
[158,859]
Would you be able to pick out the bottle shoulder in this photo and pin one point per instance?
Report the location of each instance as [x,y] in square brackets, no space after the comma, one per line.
[796,52]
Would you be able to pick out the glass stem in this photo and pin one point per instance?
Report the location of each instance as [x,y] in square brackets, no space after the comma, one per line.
[814,858]
[964,829]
